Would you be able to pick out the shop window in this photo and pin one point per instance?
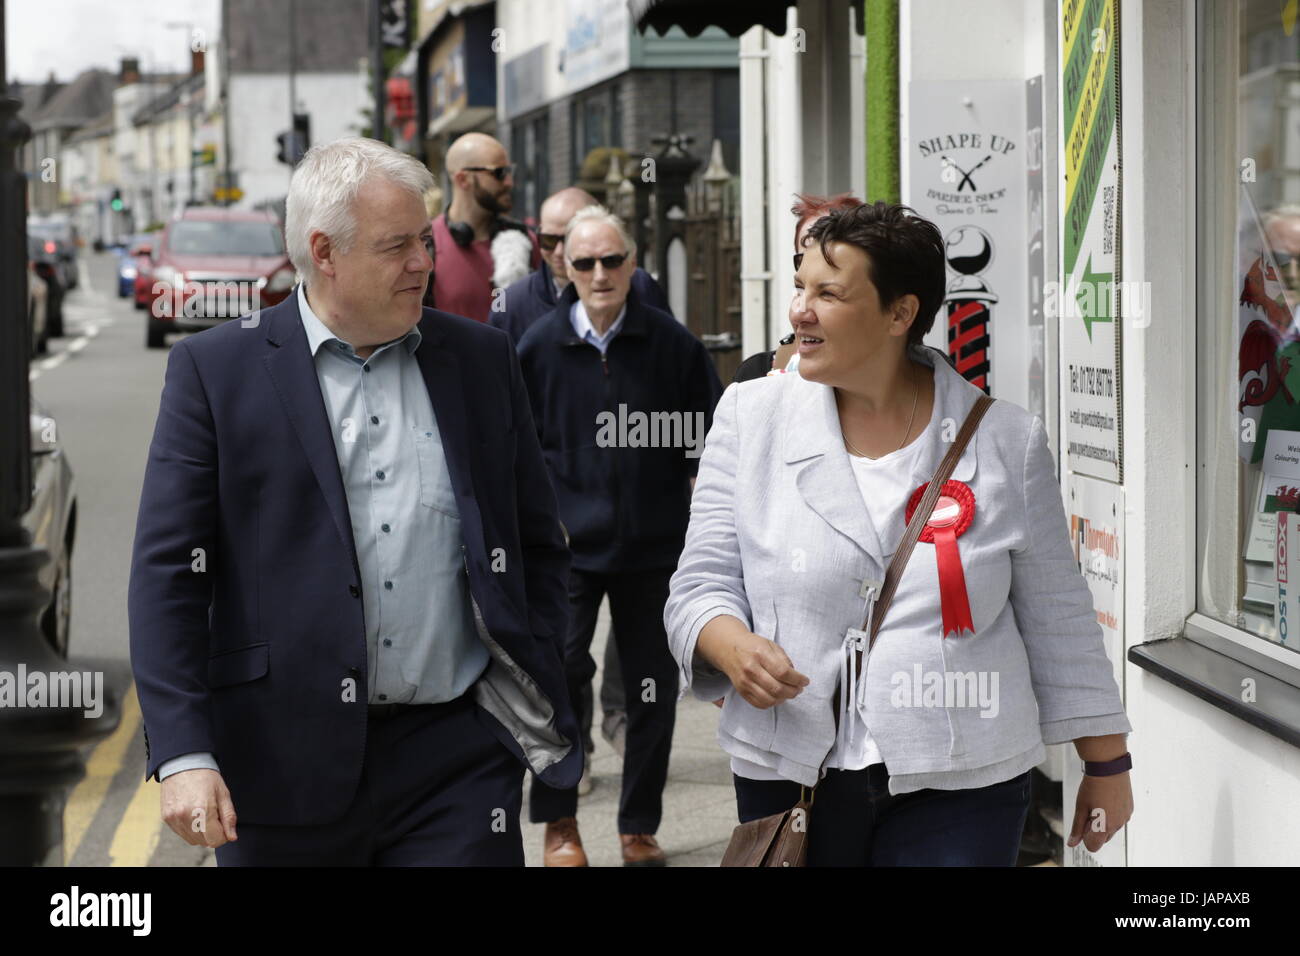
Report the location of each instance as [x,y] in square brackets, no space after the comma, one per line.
[1248,213]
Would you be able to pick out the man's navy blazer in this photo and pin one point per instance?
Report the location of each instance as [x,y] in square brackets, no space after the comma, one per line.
[245,605]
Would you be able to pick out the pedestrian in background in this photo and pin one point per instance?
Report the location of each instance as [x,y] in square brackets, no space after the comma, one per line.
[478,250]
[622,394]
[526,301]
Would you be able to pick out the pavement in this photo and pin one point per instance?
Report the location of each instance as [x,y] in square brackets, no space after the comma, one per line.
[699,800]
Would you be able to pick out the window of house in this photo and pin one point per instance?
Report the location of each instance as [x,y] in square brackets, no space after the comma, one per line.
[529,149]
[1248,212]
[597,120]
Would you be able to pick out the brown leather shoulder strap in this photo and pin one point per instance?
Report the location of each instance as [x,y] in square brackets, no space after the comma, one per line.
[922,515]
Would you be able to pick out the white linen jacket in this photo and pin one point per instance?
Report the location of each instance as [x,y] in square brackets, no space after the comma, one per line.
[780,538]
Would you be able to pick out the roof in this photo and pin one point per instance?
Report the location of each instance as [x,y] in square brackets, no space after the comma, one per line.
[33,96]
[169,98]
[86,98]
[330,36]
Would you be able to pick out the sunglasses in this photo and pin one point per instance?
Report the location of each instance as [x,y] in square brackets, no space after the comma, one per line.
[549,240]
[500,172]
[609,262]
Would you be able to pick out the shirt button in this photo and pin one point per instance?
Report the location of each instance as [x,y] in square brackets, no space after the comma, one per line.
[388,585]
[379,475]
[383,527]
[352,589]
[374,419]
[387,642]
[383,697]
[366,368]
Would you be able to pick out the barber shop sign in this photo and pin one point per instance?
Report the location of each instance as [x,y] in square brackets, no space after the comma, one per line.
[966,173]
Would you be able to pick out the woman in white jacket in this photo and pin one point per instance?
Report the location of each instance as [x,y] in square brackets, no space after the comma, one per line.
[800,502]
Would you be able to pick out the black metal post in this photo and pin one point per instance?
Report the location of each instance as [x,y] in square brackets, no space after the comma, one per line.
[377,35]
[39,746]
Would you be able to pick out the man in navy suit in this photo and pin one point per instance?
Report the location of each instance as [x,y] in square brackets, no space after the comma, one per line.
[348,594]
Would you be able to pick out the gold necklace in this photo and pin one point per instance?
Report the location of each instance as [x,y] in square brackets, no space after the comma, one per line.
[916,394]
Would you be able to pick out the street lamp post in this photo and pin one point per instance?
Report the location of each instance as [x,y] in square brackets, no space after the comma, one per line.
[39,746]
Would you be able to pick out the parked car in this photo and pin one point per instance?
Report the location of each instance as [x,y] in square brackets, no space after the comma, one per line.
[44,258]
[215,264]
[60,238]
[128,266]
[52,522]
[37,301]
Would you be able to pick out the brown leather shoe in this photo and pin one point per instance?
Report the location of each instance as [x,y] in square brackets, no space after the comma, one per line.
[640,849]
[563,846]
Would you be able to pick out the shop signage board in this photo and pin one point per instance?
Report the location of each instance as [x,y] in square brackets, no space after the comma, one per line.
[1096,513]
[967,149]
[1092,302]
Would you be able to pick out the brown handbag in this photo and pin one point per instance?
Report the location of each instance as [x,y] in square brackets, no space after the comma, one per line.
[782,838]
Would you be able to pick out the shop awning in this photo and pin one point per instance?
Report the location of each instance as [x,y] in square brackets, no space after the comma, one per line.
[694,15]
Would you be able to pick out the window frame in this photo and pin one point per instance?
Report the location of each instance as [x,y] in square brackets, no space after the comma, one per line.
[1215,78]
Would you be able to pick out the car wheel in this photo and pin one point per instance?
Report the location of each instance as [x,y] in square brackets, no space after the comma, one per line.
[155,334]
[56,622]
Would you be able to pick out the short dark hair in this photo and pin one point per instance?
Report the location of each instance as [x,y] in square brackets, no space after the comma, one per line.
[905,255]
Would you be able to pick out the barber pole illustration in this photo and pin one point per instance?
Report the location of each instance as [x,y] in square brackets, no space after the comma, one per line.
[969,251]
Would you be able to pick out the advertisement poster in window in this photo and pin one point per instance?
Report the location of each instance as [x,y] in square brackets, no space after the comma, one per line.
[966,173]
[1096,513]
[1093,300]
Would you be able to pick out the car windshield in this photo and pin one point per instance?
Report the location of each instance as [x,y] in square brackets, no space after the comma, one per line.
[201,237]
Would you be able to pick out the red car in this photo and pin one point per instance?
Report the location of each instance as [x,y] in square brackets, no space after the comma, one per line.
[210,265]
[141,252]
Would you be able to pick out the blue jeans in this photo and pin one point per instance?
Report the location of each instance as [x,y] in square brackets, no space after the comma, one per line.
[855,821]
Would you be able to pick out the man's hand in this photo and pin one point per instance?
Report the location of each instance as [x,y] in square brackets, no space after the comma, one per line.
[196,805]
[758,668]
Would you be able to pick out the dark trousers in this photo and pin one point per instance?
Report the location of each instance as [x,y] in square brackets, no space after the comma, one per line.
[437,789]
[636,603]
[611,691]
[854,821]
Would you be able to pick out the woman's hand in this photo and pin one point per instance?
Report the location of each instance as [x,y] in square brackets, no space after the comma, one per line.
[760,671]
[1103,805]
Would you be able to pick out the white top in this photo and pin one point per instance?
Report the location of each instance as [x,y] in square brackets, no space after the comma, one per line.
[884,483]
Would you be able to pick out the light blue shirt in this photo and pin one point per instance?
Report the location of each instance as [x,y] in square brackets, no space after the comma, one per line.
[421,642]
[583,328]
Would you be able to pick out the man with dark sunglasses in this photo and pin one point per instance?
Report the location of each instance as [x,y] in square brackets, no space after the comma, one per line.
[533,296]
[526,301]
[478,250]
[622,395]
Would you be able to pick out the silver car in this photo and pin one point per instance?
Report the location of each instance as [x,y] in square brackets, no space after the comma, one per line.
[52,522]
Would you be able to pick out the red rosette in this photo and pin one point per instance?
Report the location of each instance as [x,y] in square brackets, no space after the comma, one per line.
[952,515]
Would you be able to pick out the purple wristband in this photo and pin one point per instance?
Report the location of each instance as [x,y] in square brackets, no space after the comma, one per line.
[1108,768]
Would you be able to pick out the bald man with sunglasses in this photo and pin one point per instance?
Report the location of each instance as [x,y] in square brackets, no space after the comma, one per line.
[482,178]
[598,364]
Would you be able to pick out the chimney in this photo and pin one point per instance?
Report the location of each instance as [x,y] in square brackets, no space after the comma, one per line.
[130,71]
[196,62]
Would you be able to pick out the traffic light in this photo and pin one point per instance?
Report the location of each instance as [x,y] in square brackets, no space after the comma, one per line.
[116,202]
[302,128]
[293,143]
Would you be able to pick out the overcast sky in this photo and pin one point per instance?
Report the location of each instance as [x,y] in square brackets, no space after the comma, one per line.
[68,36]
